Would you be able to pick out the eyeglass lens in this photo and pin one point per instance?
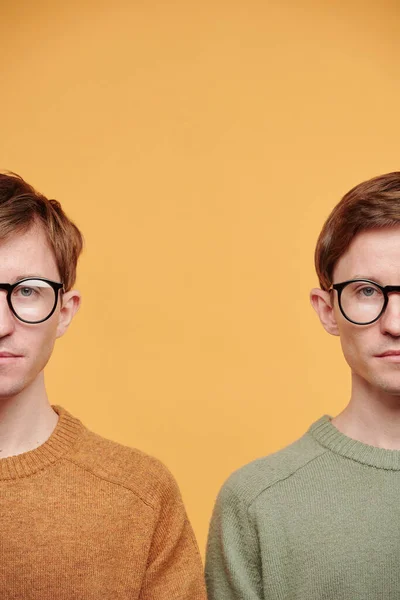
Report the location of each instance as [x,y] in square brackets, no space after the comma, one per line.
[33,300]
[362,301]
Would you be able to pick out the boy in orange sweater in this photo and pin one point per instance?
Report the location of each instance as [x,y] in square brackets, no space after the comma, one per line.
[83,517]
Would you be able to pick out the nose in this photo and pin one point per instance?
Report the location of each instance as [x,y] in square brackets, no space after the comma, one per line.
[7,319]
[390,320]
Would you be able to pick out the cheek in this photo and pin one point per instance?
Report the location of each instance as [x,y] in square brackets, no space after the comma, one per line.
[356,343]
[38,340]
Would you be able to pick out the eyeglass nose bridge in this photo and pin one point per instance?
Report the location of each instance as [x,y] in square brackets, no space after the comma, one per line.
[6,287]
[388,289]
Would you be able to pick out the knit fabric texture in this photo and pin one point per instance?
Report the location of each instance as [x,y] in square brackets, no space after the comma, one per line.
[85,518]
[318,520]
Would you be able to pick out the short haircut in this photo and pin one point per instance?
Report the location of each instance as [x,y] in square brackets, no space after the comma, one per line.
[22,207]
[372,204]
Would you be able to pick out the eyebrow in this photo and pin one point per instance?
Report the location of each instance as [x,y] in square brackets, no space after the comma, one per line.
[29,276]
[376,279]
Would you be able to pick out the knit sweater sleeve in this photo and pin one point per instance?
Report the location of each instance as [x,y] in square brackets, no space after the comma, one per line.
[233,565]
[174,569]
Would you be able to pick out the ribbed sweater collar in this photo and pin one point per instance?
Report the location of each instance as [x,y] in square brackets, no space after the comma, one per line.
[64,436]
[326,434]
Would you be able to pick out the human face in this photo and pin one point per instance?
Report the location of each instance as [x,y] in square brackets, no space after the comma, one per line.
[373,255]
[25,255]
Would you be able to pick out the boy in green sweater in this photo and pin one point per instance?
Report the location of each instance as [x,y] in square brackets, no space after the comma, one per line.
[320,518]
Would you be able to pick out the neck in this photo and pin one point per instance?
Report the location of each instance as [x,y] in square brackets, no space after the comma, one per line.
[372,416]
[26,420]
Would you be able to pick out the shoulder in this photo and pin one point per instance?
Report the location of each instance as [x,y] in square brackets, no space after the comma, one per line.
[247,483]
[125,467]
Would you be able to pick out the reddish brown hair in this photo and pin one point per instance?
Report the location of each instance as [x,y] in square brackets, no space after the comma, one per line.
[372,204]
[21,206]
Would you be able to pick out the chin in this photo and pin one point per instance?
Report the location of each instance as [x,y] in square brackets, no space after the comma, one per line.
[11,390]
[389,386]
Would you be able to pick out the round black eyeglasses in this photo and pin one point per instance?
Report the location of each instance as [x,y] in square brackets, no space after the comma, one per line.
[362,301]
[33,299]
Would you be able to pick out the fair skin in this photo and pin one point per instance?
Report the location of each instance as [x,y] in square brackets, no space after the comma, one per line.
[372,415]
[26,417]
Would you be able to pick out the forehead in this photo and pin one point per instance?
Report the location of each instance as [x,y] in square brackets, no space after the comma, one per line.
[25,254]
[374,254]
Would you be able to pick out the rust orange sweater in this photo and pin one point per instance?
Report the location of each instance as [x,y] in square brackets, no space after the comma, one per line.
[85,518]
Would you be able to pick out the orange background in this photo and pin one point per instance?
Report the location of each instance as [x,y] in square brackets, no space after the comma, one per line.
[199,147]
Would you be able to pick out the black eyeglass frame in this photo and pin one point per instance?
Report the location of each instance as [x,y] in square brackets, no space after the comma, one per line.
[10,287]
[386,290]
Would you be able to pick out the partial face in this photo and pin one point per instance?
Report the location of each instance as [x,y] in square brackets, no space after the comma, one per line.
[373,255]
[26,255]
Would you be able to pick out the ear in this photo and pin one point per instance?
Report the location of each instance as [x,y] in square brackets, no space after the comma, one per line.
[71,302]
[322,302]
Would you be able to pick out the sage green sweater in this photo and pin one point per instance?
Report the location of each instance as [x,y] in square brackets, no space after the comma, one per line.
[318,520]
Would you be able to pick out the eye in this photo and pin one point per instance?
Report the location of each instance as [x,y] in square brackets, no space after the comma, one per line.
[26,291]
[367,291]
